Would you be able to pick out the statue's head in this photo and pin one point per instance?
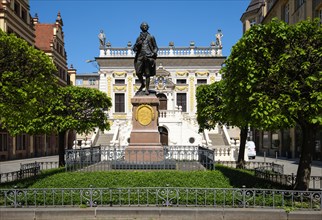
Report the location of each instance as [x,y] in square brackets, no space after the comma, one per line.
[144,26]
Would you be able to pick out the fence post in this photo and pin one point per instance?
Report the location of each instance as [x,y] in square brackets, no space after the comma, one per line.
[244,196]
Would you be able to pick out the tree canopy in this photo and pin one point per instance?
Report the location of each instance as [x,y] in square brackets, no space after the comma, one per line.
[272,80]
[210,105]
[31,100]
[80,109]
[27,83]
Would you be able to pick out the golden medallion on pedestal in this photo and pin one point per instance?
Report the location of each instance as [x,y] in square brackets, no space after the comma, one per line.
[144,114]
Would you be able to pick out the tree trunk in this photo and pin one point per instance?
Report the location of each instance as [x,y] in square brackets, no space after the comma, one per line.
[61,148]
[307,151]
[241,155]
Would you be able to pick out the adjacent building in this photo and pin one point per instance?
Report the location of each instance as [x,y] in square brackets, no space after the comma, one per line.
[15,18]
[285,142]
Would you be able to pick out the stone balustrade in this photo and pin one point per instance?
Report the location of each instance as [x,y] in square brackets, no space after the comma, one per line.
[224,153]
[165,51]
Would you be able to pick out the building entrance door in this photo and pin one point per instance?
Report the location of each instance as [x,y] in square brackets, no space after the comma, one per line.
[163,136]
[163,101]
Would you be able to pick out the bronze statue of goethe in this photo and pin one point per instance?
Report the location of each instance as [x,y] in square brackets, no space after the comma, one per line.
[146,51]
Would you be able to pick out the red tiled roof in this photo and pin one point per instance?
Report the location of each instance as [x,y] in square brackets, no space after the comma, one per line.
[44,36]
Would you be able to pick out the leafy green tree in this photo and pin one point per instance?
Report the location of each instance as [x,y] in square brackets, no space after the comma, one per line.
[216,104]
[277,70]
[210,106]
[27,84]
[80,109]
[32,102]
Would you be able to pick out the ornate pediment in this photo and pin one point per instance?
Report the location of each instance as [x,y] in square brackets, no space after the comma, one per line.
[162,80]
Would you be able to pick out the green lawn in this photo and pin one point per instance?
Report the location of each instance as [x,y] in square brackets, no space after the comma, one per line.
[222,177]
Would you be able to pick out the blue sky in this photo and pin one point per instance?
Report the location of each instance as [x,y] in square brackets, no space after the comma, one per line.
[180,21]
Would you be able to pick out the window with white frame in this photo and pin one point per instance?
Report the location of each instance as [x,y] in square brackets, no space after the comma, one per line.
[119,102]
[252,22]
[201,81]
[79,82]
[182,101]
[119,81]
[91,81]
[181,81]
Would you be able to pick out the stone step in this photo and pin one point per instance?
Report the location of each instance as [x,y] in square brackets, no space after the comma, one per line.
[217,140]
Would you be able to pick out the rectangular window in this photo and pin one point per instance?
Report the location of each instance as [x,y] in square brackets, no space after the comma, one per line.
[266,140]
[38,143]
[181,81]
[48,141]
[201,81]
[21,142]
[119,81]
[119,102]
[320,15]
[91,81]
[17,8]
[182,101]
[298,3]
[24,14]
[252,22]
[3,141]
[286,13]
[275,140]
[79,82]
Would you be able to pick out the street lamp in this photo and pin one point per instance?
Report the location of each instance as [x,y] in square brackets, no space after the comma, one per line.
[93,62]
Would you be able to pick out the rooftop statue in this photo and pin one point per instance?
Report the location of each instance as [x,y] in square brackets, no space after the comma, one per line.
[219,35]
[102,38]
[146,51]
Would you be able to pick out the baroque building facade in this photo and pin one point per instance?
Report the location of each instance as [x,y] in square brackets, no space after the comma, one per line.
[285,142]
[15,18]
[180,70]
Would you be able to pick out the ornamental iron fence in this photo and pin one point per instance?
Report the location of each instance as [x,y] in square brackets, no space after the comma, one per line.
[288,180]
[251,165]
[274,172]
[162,196]
[27,170]
[111,158]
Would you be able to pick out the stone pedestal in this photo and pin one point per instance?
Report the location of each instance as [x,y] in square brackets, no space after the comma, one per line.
[145,145]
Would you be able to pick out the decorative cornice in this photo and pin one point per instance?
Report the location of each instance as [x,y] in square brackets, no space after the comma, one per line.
[119,88]
[119,73]
[181,88]
[202,73]
[182,73]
